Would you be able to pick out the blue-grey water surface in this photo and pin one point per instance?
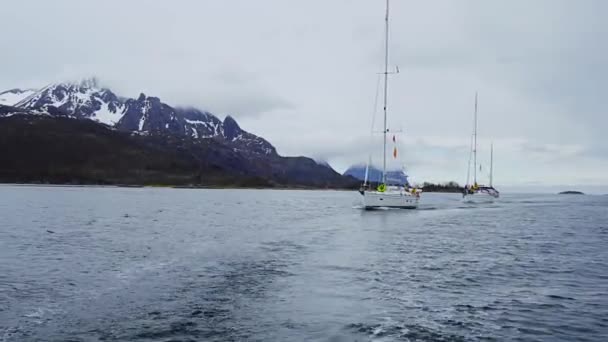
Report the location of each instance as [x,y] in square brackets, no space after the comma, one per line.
[118,264]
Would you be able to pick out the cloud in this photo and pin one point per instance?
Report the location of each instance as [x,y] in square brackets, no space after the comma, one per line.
[304,74]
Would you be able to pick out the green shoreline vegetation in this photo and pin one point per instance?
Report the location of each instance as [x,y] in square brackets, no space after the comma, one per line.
[449,187]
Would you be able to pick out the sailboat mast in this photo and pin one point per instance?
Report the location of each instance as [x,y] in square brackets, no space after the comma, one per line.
[475,143]
[491,162]
[385,90]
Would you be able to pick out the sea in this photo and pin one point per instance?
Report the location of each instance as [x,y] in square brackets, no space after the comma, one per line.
[157,264]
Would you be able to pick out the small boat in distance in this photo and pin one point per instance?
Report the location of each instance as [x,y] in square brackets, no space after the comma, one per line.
[476,193]
[385,194]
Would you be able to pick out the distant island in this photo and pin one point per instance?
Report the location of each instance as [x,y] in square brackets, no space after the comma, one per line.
[570,192]
[374,174]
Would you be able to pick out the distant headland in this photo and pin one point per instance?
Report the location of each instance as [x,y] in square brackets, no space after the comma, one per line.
[570,192]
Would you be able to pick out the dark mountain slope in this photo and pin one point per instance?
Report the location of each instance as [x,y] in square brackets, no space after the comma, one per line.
[64,150]
[52,149]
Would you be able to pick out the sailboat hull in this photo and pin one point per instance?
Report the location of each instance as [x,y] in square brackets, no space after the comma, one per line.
[390,199]
[479,198]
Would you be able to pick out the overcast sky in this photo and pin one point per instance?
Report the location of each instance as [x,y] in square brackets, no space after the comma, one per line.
[302,73]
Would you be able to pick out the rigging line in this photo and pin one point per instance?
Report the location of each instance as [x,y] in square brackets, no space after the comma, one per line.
[475,146]
[374,113]
[469,164]
[491,163]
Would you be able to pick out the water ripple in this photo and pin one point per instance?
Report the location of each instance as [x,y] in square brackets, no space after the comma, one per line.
[82,264]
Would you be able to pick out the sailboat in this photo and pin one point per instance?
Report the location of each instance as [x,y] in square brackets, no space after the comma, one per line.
[476,193]
[388,194]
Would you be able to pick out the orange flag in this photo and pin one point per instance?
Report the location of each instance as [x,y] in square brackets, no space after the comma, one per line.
[395,152]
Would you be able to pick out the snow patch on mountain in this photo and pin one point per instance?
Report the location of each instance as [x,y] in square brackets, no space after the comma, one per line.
[82,100]
[107,116]
[142,121]
[13,96]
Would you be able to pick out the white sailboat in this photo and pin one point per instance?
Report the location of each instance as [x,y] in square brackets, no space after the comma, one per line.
[387,195]
[476,193]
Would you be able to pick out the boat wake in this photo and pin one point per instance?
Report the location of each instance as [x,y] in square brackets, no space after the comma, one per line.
[407,332]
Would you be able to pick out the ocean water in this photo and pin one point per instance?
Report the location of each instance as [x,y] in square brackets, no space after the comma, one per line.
[112,264]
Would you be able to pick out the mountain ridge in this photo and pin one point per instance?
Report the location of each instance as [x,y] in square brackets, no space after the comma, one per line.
[143,115]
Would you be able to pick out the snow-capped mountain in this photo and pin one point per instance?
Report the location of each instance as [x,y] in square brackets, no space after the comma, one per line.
[84,100]
[145,115]
[375,174]
[11,97]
